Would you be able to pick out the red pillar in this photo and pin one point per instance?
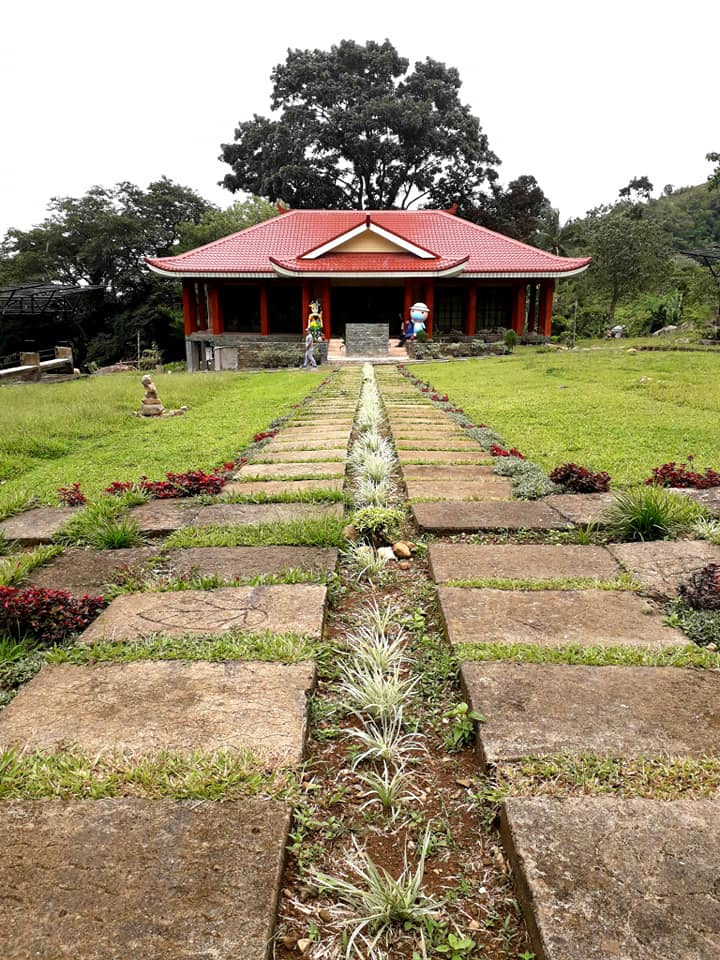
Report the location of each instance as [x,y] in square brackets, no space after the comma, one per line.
[547,288]
[305,304]
[325,298]
[216,318]
[430,301]
[264,322]
[189,307]
[518,308]
[471,311]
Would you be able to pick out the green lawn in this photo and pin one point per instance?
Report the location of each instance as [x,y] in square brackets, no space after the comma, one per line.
[82,431]
[605,409]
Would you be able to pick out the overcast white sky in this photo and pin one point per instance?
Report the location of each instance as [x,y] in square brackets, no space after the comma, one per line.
[583,96]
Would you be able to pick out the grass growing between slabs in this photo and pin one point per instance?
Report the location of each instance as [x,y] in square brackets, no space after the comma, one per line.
[624,413]
[321,532]
[71,774]
[681,656]
[82,431]
[232,645]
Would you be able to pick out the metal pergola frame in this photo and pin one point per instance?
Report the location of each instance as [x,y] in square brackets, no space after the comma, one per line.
[41,299]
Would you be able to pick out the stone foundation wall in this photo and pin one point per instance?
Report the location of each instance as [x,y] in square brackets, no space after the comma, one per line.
[242,351]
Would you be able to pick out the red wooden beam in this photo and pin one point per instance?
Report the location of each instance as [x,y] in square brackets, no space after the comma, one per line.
[189,311]
[547,288]
[518,308]
[264,322]
[216,318]
[471,310]
[325,298]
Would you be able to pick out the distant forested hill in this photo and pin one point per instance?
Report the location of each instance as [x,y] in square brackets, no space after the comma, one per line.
[691,215]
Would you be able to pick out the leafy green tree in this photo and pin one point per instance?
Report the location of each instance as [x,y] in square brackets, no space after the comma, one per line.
[639,188]
[356,130]
[101,239]
[215,224]
[630,253]
[714,178]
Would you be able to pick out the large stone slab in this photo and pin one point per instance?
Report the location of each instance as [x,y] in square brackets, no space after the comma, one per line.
[535,709]
[274,470]
[234,563]
[300,456]
[438,443]
[147,706]
[582,508]
[286,608]
[242,514]
[271,488]
[91,572]
[306,435]
[490,515]
[469,561]
[36,526]
[553,618]
[431,434]
[140,879]
[159,517]
[606,879]
[661,566]
[485,488]
[282,445]
[450,473]
[444,456]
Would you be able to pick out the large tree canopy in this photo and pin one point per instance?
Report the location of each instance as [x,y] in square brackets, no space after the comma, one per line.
[101,239]
[356,130]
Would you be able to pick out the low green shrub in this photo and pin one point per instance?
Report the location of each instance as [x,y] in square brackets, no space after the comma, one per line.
[379,525]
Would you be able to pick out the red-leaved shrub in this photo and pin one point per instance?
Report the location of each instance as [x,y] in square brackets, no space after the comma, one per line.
[188,484]
[71,496]
[48,615]
[580,479]
[674,474]
[702,590]
[497,451]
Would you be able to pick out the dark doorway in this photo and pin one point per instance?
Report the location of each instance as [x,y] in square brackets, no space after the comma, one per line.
[366,305]
[285,310]
[240,308]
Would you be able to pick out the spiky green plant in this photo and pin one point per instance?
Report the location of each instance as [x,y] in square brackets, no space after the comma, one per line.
[707,528]
[650,513]
[374,692]
[386,740]
[374,904]
[365,562]
[388,788]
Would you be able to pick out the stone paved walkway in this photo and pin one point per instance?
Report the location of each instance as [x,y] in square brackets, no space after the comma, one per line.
[597,877]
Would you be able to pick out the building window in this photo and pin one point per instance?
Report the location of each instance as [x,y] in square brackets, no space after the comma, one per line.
[494,308]
[449,310]
[241,309]
[285,310]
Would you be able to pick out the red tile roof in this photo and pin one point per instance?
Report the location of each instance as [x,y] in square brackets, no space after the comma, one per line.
[277,246]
